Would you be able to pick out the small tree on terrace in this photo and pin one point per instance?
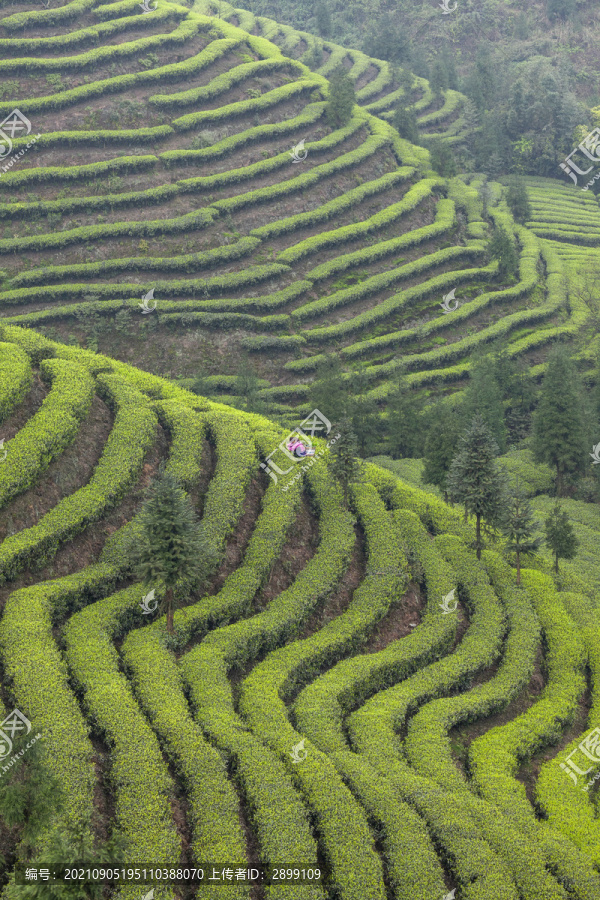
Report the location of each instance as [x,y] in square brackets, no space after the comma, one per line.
[405,123]
[519,527]
[342,97]
[560,537]
[171,547]
[343,462]
[502,248]
[558,423]
[441,445]
[518,201]
[475,478]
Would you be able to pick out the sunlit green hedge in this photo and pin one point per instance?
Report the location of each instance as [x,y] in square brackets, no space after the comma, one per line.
[16,377]
[131,437]
[141,784]
[50,430]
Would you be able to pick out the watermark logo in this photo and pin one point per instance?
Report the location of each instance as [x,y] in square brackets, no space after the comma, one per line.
[595,454]
[298,753]
[450,896]
[445,304]
[9,726]
[46,5]
[447,9]
[297,152]
[11,127]
[294,446]
[589,147]
[144,304]
[145,6]
[447,601]
[588,750]
[149,895]
[146,601]
[14,125]
[3,451]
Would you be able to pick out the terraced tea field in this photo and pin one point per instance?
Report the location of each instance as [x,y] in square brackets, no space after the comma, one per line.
[188,158]
[429,701]
[351,692]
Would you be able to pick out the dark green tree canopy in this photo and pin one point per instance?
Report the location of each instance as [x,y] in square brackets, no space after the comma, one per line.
[342,97]
[476,479]
[559,430]
[502,248]
[560,536]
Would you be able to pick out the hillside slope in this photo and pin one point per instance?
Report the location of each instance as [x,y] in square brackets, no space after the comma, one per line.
[315,706]
[189,161]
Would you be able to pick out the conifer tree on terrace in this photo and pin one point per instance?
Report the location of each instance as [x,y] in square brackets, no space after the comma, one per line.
[441,444]
[342,97]
[558,423]
[171,548]
[343,457]
[520,527]
[560,536]
[476,479]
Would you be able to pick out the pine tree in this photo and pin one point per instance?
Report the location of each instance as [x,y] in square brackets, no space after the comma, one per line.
[559,430]
[342,97]
[323,16]
[475,478]
[560,537]
[441,446]
[329,392]
[442,158]
[405,425]
[518,201]
[502,248]
[343,462]
[365,420]
[484,397]
[519,527]
[405,123]
[439,78]
[171,547]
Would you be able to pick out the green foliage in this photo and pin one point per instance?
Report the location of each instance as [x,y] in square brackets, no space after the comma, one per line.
[405,428]
[170,548]
[329,390]
[50,431]
[130,439]
[441,445]
[558,423]
[442,158]
[483,397]
[342,98]
[560,536]
[519,526]
[405,122]
[560,9]
[28,795]
[16,377]
[502,248]
[71,842]
[475,478]
[344,464]
[323,17]
[518,200]
[386,39]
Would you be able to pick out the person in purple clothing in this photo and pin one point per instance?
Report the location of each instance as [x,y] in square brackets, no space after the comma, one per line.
[299,449]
